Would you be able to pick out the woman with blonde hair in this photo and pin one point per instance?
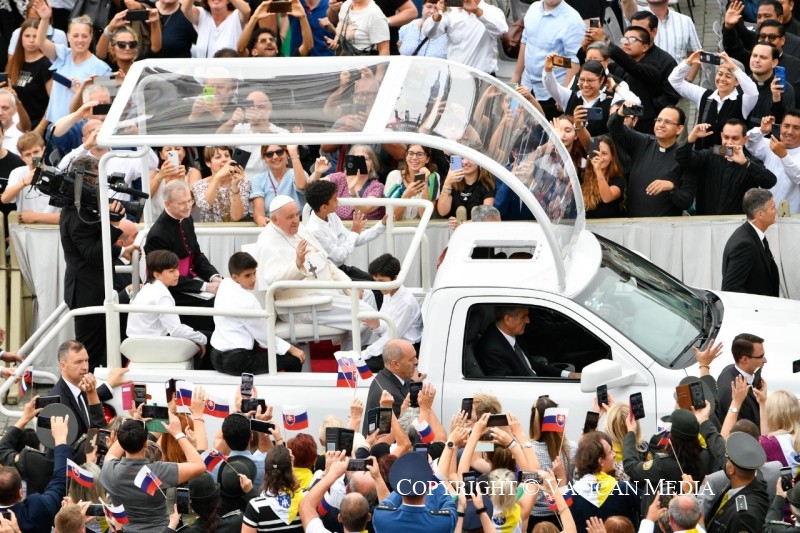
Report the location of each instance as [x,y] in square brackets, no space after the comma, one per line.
[509,510]
[616,428]
[120,44]
[466,187]
[79,493]
[780,431]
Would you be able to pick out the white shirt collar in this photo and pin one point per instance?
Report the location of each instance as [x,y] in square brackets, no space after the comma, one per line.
[748,377]
[758,232]
[511,340]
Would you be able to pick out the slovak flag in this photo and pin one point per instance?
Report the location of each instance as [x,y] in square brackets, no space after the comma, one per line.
[212,458]
[664,440]
[555,419]
[347,370]
[80,476]
[27,377]
[424,431]
[216,409]
[183,393]
[147,480]
[117,512]
[295,417]
[363,368]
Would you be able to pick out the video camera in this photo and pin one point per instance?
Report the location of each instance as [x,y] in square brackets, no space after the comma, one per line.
[63,189]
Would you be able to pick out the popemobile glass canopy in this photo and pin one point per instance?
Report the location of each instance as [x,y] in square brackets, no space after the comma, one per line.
[351,100]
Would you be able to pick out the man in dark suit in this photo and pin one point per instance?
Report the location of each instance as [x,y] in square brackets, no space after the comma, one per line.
[747,263]
[78,389]
[499,354]
[749,356]
[399,368]
[174,231]
[81,239]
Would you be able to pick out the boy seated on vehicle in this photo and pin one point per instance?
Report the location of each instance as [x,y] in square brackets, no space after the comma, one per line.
[238,344]
[162,273]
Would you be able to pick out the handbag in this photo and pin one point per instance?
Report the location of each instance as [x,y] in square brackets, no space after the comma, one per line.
[346,48]
[512,39]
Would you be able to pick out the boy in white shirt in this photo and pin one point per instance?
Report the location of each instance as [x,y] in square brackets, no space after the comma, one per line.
[33,206]
[162,273]
[238,344]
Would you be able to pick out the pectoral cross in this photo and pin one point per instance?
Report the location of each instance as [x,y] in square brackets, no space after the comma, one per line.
[312,269]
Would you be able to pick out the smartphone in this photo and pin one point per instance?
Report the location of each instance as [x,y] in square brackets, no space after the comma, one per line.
[91,440]
[169,388]
[633,111]
[787,478]
[666,499]
[421,449]
[455,162]
[594,113]
[174,157]
[331,439]
[346,437]
[252,404]
[637,405]
[101,109]
[96,509]
[594,146]
[155,412]
[103,436]
[413,391]
[590,423]
[780,74]
[469,479]
[355,164]
[63,80]
[379,418]
[44,401]
[182,500]
[209,93]
[711,59]
[261,426]
[725,151]
[3,77]
[279,6]
[466,407]
[523,476]
[485,443]
[497,421]
[561,61]
[247,385]
[240,156]
[697,394]
[106,81]
[453,3]
[134,15]
[602,395]
[757,379]
[594,23]
[796,366]
[420,177]
[139,395]
[683,396]
[358,465]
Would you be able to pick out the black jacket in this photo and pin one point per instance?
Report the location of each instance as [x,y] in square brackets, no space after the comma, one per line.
[647,78]
[744,512]
[749,410]
[747,266]
[497,358]
[61,389]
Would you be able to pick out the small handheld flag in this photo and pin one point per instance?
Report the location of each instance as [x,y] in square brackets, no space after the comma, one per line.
[27,378]
[363,368]
[115,512]
[347,370]
[212,458]
[216,409]
[147,481]
[295,417]
[80,476]
[183,393]
[424,431]
[555,419]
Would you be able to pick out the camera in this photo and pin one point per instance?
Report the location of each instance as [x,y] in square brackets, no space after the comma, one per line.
[63,187]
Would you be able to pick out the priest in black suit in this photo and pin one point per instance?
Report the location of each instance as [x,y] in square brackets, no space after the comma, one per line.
[748,356]
[399,369]
[499,354]
[174,231]
[747,263]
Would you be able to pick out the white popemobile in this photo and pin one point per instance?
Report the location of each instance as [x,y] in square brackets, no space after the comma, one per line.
[595,306]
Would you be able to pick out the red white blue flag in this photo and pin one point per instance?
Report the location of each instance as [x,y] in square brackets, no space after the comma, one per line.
[147,481]
[555,419]
[295,417]
[27,378]
[80,476]
[212,458]
[183,393]
[362,366]
[115,512]
[424,431]
[216,409]
[347,370]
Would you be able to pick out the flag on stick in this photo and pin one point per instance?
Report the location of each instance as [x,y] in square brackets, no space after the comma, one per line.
[295,417]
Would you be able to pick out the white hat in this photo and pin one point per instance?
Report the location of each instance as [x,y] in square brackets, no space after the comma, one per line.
[280,201]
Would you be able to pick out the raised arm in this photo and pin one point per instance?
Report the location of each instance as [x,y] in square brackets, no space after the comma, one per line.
[244,10]
[190,11]
[45,13]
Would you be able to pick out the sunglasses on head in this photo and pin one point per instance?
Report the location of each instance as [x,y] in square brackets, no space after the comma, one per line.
[279,152]
[126,44]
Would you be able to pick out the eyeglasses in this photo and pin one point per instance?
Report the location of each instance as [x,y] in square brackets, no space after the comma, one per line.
[757,356]
[415,155]
[631,40]
[266,40]
[126,44]
[768,36]
[666,122]
[366,95]
[270,153]
[588,80]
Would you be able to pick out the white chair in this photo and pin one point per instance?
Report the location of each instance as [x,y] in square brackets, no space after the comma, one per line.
[159,352]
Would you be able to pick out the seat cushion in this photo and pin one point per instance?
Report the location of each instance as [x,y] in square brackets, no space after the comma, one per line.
[162,350]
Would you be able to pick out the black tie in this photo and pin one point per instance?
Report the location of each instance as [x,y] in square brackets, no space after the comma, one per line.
[524,360]
[84,409]
[766,247]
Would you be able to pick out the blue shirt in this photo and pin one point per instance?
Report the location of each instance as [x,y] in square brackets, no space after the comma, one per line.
[266,186]
[413,518]
[560,31]
[60,96]
[313,16]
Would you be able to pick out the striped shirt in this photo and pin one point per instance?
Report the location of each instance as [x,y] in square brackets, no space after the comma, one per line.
[262,516]
[677,35]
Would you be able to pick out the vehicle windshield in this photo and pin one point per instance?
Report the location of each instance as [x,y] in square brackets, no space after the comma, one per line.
[651,308]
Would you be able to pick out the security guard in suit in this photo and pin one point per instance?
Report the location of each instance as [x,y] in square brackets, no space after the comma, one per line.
[775,522]
[742,507]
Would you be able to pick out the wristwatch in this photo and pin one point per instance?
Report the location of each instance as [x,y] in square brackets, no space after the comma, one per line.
[528,444]
[733,409]
[450,444]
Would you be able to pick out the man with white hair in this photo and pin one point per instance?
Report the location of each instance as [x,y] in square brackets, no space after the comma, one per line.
[288,251]
[8,109]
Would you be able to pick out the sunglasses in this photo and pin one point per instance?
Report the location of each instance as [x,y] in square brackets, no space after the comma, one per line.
[126,44]
[279,152]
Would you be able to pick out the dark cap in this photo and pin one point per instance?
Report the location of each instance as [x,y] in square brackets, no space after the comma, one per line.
[202,489]
[410,475]
[684,424]
[34,468]
[228,475]
[745,451]
[793,495]
[472,520]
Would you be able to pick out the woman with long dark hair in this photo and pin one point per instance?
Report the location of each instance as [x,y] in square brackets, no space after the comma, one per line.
[403,183]
[603,183]
[204,499]
[467,187]
[277,506]
[29,73]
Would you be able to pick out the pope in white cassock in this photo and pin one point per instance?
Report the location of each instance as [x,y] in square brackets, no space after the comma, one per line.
[288,251]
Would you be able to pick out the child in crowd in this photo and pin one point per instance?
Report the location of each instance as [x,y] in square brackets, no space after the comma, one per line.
[238,343]
[162,273]
[33,206]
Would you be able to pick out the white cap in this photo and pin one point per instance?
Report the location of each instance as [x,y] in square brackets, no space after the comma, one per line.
[280,201]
